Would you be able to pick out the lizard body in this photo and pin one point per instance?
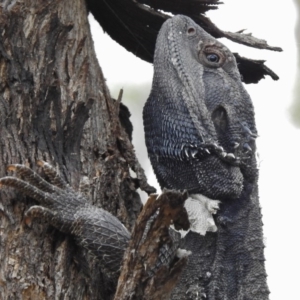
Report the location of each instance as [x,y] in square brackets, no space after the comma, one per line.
[200,135]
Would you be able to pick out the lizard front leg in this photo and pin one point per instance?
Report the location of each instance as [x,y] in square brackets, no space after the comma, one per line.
[67,210]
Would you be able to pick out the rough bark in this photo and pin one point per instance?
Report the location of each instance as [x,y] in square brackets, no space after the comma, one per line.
[54,105]
[144,275]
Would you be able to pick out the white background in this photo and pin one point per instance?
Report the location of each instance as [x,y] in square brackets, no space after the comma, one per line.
[279,141]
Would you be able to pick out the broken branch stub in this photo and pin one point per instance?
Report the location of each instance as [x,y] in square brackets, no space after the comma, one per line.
[147,272]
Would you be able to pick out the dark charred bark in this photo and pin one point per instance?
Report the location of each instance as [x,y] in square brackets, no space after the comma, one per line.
[55,106]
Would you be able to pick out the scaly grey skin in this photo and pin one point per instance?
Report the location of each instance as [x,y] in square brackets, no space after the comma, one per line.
[200,135]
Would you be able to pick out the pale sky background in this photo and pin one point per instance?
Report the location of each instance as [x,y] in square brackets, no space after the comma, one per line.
[279,141]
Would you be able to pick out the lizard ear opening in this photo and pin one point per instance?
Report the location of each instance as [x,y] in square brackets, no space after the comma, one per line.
[220,120]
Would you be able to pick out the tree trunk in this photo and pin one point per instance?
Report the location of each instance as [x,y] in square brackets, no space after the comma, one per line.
[55,106]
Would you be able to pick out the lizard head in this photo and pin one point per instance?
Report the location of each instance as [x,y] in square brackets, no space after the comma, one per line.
[199,89]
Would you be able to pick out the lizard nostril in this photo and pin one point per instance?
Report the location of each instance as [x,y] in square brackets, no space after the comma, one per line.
[191,31]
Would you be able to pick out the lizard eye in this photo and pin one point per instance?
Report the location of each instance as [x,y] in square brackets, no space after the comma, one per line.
[212,57]
[191,31]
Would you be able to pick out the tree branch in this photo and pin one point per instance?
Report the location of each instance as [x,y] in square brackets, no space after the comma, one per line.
[135,25]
